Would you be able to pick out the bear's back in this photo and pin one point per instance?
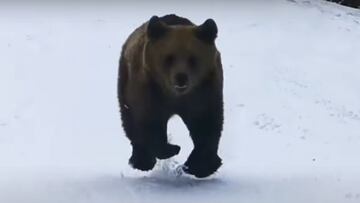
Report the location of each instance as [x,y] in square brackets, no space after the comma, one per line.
[175,20]
[137,38]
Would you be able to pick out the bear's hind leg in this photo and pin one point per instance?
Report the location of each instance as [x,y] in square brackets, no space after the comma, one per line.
[167,151]
[163,149]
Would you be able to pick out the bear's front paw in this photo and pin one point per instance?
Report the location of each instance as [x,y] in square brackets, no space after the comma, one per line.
[202,165]
[143,160]
[167,151]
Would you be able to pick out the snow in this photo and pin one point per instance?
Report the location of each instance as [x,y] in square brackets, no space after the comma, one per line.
[292,104]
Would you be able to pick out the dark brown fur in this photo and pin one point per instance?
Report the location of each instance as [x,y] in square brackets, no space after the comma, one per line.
[147,99]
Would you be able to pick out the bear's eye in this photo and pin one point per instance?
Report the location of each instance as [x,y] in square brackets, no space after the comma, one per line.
[192,62]
[169,60]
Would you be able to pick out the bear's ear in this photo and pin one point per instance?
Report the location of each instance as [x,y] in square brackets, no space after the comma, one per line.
[207,31]
[156,29]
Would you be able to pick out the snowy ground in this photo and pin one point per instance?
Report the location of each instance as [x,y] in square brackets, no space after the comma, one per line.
[292,120]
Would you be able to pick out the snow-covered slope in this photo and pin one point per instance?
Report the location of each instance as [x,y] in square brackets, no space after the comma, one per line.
[292,102]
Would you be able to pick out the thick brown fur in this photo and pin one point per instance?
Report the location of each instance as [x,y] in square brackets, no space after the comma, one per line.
[150,93]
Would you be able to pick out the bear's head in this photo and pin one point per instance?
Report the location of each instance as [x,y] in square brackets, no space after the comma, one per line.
[180,57]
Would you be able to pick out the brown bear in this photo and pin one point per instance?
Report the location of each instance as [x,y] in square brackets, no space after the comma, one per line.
[171,66]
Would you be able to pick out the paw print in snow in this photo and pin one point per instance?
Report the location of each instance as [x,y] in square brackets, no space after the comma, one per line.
[267,123]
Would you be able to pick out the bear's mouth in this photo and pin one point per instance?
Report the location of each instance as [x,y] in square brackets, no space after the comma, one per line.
[180,88]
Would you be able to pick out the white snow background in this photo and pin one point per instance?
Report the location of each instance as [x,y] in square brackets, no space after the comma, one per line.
[292,104]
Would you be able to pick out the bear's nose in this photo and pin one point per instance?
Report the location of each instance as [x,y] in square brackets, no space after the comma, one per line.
[181,81]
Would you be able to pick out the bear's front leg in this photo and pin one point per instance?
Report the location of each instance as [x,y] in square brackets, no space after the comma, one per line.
[205,131]
[142,158]
[203,160]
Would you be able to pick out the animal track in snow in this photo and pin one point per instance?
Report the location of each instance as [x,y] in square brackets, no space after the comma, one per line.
[3,123]
[304,132]
[29,37]
[339,111]
[352,196]
[240,105]
[267,123]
